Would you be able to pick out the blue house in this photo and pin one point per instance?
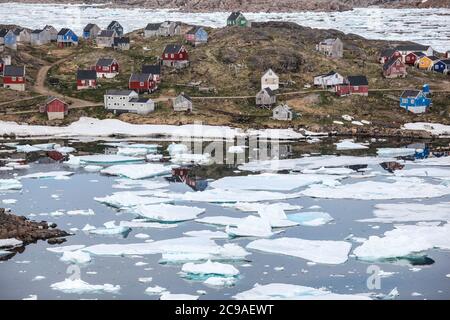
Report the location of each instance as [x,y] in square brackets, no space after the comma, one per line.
[117,27]
[415,101]
[66,38]
[442,66]
[197,35]
[8,38]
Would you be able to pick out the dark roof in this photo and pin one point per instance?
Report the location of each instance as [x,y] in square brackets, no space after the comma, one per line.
[194,30]
[63,31]
[446,61]
[111,25]
[184,95]
[433,58]
[89,27]
[173,48]
[412,47]
[410,93]
[390,62]
[17,31]
[121,40]
[3,32]
[153,69]
[234,15]
[37,31]
[13,71]
[269,91]
[153,26]
[105,62]
[140,100]
[86,75]
[140,77]
[388,52]
[358,80]
[419,53]
[327,74]
[116,92]
[106,33]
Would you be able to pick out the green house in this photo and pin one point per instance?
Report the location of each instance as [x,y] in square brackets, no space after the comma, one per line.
[237,19]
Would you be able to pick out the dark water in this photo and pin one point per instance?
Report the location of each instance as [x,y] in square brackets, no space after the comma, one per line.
[18,272]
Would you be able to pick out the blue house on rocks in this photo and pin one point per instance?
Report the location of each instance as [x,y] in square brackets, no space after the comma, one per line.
[8,38]
[196,36]
[66,38]
[416,101]
[442,66]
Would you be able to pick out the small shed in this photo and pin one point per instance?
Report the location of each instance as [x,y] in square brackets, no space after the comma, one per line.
[121,43]
[197,36]
[284,113]
[91,31]
[238,19]
[182,103]
[266,98]
[55,108]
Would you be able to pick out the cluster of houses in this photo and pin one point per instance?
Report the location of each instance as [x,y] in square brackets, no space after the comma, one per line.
[343,86]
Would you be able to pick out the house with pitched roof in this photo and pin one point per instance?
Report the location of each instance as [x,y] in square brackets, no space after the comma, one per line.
[53,33]
[427,62]
[270,80]
[409,48]
[39,37]
[442,66]
[117,27]
[91,31]
[388,53]
[329,79]
[283,113]
[142,82]
[55,108]
[266,98]
[127,101]
[22,35]
[14,77]
[86,79]
[175,55]
[66,38]
[394,68]
[107,68]
[182,102]
[353,85]
[121,43]
[333,48]
[196,36]
[153,69]
[237,19]
[8,39]
[415,101]
[105,39]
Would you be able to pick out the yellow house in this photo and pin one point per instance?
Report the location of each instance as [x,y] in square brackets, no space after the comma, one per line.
[427,62]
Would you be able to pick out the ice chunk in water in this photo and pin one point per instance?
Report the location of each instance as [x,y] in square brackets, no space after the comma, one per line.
[78,257]
[130,199]
[156,290]
[65,248]
[396,152]
[142,224]
[208,269]
[404,241]
[175,148]
[320,251]
[220,281]
[437,173]
[138,171]
[220,220]
[132,152]
[10,184]
[88,212]
[145,184]
[255,207]
[251,227]
[310,218]
[281,291]
[188,158]
[9,201]
[92,168]
[10,243]
[208,234]
[230,196]
[107,159]
[349,145]
[111,229]
[167,212]
[80,287]
[48,175]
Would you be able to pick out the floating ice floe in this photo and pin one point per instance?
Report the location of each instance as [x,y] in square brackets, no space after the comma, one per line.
[57,175]
[208,234]
[81,287]
[350,145]
[281,291]
[154,157]
[208,269]
[319,251]
[172,296]
[92,168]
[110,229]
[220,281]
[167,213]
[276,217]
[10,184]
[220,221]
[396,152]
[38,278]
[436,129]
[9,201]
[144,184]
[273,182]
[77,257]
[132,152]
[130,199]
[410,212]
[107,159]
[434,162]
[279,134]
[156,290]
[255,207]
[177,148]
[88,212]
[138,171]
[437,173]
[311,219]
[191,248]
[10,243]
[400,188]
[65,248]
[329,171]
[27,148]
[251,227]
[145,280]
[230,196]
[143,224]
[403,242]
[188,158]
[141,236]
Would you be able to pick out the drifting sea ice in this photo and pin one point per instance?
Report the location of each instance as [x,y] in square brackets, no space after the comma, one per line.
[110,229]
[106,159]
[154,291]
[280,291]
[167,213]
[188,158]
[410,212]
[145,184]
[350,145]
[81,287]
[329,171]
[401,188]
[311,219]
[273,182]
[65,248]
[77,257]
[437,173]
[9,201]
[396,152]
[10,184]
[88,212]
[58,175]
[142,224]
[251,227]
[404,241]
[130,199]
[220,221]
[138,171]
[276,217]
[132,152]
[10,243]
[208,269]
[255,207]
[208,234]
[220,281]
[319,251]
[177,148]
[92,168]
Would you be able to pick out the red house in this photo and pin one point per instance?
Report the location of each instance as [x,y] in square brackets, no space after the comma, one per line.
[413,57]
[386,54]
[86,79]
[175,55]
[107,68]
[142,82]
[354,85]
[14,78]
[56,108]
[394,68]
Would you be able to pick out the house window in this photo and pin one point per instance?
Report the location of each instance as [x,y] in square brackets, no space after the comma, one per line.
[141,84]
[356,88]
[405,101]
[413,101]
[14,79]
[172,56]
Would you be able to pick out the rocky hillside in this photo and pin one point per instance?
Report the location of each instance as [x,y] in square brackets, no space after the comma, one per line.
[260,5]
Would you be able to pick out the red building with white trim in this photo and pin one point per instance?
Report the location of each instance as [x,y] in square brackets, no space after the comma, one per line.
[142,82]
[354,85]
[14,78]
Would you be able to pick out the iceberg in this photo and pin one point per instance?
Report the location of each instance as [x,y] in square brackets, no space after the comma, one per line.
[251,227]
[167,213]
[396,152]
[319,251]
[81,287]
[231,196]
[106,159]
[349,145]
[208,269]
[130,199]
[77,257]
[410,212]
[92,168]
[154,157]
[10,243]
[281,291]
[401,188]
[311,219]
[403,242]
[10,184]
[48,175]
[88,212]
[272,182]
[156,290]
[138,171]
[111,229]
[220,281]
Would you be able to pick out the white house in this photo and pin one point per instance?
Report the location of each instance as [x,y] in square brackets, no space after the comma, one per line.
[270,80]
[283,112]
[329,79]
[333,48]
[127,101]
